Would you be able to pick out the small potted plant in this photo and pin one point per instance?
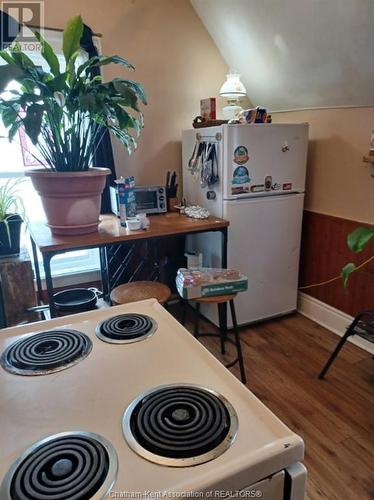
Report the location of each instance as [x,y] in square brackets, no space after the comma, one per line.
[64,112]
[11,217]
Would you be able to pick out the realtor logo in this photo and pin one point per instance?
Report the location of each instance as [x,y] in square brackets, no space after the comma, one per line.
[15,18]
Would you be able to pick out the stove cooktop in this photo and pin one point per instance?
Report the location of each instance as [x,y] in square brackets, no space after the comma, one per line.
[180,425]
[46,352]
[217,425]
[74,465]
[126,328]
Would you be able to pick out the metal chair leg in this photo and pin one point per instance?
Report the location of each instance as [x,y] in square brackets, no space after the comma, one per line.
[337,349]
[222,328]
[197,320]
[350,332]
[237,342]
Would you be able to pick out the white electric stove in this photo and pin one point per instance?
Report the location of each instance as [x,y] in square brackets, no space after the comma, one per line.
[124,403]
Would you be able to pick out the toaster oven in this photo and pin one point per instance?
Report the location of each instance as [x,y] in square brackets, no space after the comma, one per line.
[149,199]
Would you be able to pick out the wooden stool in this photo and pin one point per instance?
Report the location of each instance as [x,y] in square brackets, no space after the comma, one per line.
[221,301]
[140,290]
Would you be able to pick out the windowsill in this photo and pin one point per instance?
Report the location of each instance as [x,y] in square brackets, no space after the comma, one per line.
[75,278]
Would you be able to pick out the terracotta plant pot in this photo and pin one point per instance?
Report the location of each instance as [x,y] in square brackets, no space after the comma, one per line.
[71,200]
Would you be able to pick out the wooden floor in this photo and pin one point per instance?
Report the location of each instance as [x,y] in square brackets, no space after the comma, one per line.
[335,417]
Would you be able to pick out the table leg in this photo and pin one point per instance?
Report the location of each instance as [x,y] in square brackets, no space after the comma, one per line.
[3,323]
[224,247]
[104,267]
[48,279]
[224,233]
[37,272]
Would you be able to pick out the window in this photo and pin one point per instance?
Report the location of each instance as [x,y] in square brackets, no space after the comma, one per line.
[18,156]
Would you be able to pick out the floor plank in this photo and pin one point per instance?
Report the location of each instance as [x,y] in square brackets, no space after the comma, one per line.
[335,416]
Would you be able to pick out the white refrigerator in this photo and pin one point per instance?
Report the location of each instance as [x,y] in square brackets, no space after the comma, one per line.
[260,183]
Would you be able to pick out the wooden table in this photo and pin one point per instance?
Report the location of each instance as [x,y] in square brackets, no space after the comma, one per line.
[111,233]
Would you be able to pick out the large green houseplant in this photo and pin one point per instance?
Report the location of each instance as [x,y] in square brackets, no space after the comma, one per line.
[65,112]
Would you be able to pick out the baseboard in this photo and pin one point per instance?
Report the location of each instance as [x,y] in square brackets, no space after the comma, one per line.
[327,316]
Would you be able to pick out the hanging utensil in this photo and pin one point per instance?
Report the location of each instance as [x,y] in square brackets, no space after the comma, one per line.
[206,166]
[194,160]
[213,178]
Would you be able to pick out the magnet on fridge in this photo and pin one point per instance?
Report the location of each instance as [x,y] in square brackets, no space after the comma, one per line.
[287,186]
[241,175]
[257,188]
[268,182]
[241,155]
[240,189]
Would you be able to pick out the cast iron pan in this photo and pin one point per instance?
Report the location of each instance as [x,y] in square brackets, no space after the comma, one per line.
[76,299]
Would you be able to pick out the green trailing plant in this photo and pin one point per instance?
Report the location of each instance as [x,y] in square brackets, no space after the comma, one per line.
[357,241]
[65,111]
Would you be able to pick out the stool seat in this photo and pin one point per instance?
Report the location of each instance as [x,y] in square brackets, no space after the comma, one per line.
[140,290]
[216,299]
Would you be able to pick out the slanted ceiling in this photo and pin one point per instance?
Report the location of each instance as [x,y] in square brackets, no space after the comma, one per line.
[296,53]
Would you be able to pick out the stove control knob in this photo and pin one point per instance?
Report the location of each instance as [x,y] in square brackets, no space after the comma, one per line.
[211,195]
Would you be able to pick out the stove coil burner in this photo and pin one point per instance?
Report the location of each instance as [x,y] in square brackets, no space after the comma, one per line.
[74,465]
[180,425]
[126,328]
[46,352]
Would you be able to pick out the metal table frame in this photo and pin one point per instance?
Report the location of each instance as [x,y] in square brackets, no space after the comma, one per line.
[48,256]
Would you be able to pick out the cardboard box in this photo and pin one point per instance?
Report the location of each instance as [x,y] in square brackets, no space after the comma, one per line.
[208,108]
[209,282]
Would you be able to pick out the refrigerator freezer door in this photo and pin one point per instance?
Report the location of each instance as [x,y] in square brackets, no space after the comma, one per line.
[264,244]
[264,159]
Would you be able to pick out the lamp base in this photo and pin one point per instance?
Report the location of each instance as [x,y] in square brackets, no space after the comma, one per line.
[231,111]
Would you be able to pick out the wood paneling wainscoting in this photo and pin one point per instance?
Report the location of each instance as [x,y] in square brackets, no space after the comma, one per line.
[324,252]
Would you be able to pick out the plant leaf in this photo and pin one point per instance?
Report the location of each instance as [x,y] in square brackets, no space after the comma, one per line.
[14,129]
[57,84]
[22,60]
[88,102]
[137,88]
[33,121]
[72,37]
[359,238]
[49,55]
[103,61]
[6,56]
[127,93]
[346,272]
[8,73]
[9,116]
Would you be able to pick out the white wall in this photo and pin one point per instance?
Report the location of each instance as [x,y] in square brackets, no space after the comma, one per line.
[296,53]
[175,59]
